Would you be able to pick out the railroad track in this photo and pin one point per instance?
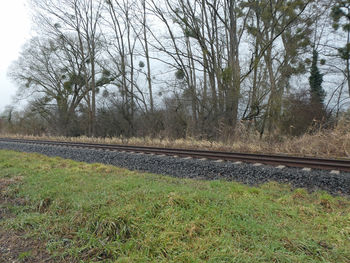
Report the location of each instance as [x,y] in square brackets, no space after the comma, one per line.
[280,160]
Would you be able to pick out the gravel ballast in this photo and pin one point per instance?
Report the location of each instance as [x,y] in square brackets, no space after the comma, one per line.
[197,169]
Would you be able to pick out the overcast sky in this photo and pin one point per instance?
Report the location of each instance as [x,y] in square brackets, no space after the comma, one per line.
[15,24]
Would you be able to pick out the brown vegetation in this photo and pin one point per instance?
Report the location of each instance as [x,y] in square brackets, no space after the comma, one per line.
[333,142]
[173,73]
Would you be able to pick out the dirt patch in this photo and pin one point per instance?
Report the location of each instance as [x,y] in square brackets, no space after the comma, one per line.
[5,200]
[14,247]
[6,182]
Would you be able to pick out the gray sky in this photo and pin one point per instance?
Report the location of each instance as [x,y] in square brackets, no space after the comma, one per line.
[15,24]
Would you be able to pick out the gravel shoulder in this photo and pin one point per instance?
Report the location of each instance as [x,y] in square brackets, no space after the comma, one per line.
[197,169]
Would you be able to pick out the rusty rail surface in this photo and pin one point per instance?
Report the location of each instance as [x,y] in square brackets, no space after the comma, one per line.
[286,160]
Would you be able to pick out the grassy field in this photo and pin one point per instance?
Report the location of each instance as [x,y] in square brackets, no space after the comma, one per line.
[98,213]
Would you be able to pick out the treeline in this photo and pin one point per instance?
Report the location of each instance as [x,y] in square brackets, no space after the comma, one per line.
[180,68]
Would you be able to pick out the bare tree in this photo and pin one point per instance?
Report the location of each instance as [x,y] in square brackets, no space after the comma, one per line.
[51,72]
[81,19]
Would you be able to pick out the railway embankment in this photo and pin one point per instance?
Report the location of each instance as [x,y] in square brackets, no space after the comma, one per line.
[196,168]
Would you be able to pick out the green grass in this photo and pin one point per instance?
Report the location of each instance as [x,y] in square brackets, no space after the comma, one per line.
[95,212]
[23,256]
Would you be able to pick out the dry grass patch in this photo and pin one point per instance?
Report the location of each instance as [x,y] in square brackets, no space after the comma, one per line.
[324,143]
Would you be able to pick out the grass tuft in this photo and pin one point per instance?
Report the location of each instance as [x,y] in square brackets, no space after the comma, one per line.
[44,205]
[111,229]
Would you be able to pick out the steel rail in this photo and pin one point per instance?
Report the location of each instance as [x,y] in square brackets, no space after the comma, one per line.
[291,161]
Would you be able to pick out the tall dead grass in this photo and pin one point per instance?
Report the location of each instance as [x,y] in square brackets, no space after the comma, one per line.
[323,143]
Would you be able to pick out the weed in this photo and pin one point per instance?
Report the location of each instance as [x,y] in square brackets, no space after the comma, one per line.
[24,256]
